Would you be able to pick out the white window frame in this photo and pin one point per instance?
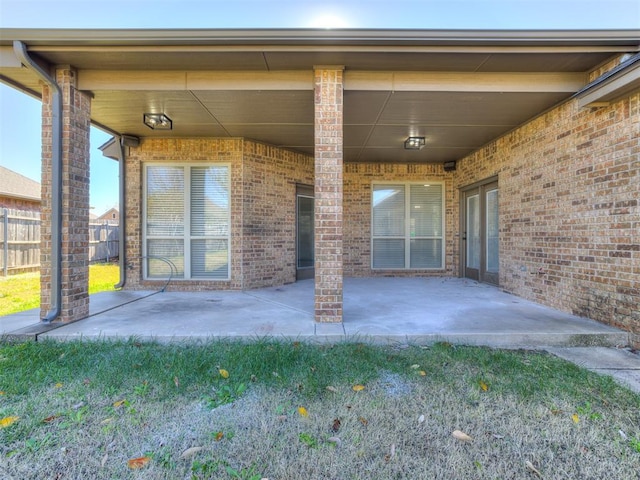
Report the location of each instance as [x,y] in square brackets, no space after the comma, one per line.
[407,225]
[186,237]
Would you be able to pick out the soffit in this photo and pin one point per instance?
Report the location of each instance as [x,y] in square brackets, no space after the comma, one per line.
[456,118]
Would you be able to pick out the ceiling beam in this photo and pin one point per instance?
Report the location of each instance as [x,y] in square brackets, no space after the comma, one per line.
[193,80]
[96,80]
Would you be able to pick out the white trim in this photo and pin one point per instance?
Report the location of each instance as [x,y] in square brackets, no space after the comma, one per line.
[186,237]
[407,225]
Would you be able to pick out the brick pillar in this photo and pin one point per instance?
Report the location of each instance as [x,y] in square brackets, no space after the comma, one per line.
[76,124]
[328,83]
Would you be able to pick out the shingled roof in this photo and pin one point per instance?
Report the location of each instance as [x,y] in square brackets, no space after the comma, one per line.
[14,185]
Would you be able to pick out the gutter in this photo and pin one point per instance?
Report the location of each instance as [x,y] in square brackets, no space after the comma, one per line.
[123,218]
[20,49]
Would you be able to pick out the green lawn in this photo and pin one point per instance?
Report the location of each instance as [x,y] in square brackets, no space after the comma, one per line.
[22,292]
[289,410]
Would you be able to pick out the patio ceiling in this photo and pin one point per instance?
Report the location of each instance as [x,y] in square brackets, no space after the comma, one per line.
[460,90]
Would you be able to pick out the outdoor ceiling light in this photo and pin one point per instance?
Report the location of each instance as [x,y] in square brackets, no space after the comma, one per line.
[414,143]
[157,121]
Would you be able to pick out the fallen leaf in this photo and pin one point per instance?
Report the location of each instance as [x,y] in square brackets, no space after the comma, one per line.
[484,386]
[497,437]
[458,435]
[104,460]
[363,421]
[176,382]
[336,424]
[139,462]
[119,403]
[6,421]
[391,454]
[422,373]
[281,418]
[575,418]
[335,440]
[421,419]
[219,436]
[86,381]
[1,392]
[532,468]
[303,412]
[415,366]
[58,385]
[622,434]
[78,406]
[106,421]
[254,378]
[190,452]
[51,418]
[358,388]
[332,389]
[223,373]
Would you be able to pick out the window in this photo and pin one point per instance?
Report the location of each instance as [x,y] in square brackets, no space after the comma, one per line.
[407,226]
[187,221]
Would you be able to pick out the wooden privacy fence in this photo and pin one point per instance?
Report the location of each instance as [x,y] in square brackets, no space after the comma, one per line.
[20,241]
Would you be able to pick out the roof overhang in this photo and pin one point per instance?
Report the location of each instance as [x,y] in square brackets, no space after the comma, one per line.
[621,81]
[458,88]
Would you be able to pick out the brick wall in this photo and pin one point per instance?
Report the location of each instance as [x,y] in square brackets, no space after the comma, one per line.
[176,151]
[358,178]
[263,186]
[269,212]
[570,220]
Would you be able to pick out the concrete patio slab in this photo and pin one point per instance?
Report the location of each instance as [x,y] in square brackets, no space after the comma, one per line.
[622,364]
[405,310]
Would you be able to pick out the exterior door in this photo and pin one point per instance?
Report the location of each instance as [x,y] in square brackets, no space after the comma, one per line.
[305,256]
[480,237]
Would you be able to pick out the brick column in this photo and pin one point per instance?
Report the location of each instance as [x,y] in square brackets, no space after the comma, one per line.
[75,198]
[328,83]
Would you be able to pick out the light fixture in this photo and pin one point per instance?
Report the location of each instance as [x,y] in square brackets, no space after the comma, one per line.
[414,143]
[157,121]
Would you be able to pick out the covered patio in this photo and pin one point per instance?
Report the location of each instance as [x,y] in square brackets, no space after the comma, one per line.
[384,310]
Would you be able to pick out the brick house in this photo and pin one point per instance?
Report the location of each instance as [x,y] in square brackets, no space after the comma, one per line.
[111,216]
[253,158]
[18,192]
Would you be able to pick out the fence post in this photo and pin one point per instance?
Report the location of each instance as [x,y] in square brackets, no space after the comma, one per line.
[5,245]
[106,225]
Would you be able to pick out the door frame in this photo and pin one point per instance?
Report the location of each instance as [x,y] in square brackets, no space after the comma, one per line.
[481,187]
[304,191]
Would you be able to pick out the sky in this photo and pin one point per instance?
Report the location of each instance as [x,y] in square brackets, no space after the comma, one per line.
[20,115]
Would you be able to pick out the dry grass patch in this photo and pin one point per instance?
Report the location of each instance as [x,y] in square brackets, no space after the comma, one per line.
[102,410]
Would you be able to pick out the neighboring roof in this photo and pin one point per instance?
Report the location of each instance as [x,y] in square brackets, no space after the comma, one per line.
[109,212]
[458,88]
[14,185]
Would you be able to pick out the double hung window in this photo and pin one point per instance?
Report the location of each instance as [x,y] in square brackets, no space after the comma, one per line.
[187,221]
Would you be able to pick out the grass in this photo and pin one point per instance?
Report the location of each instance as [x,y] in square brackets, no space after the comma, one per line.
[284,410]
[22,292]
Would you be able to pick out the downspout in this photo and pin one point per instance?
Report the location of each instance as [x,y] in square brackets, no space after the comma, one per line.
[20,49]
[122,260]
